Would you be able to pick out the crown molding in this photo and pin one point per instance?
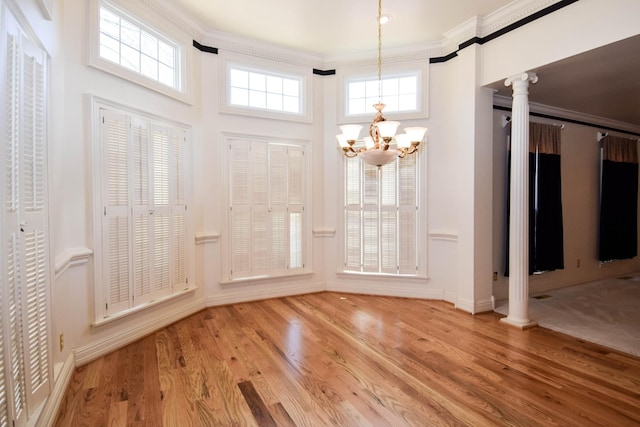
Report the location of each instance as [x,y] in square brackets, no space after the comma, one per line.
[170,13]
[512,13]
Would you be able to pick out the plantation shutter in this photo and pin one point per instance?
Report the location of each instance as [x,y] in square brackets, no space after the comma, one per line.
[296,175]
[12,393]
[353,222]
[279,215]
[408,215]
[259,200]
[178,209]
[4,405]
[370,219]
[116,218]
[160,212]
[240,208]
[389,218]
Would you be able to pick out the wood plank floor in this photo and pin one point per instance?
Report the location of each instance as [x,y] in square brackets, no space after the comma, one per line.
[353,360]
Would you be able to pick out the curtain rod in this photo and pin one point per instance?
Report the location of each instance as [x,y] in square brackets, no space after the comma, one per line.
[577,122]
[603,135]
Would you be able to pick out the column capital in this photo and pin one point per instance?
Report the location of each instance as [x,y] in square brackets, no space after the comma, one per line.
[522,77]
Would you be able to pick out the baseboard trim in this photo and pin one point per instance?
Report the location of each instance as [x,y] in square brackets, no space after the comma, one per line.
[405,290]
[87,353]
[60,385]
[247,295]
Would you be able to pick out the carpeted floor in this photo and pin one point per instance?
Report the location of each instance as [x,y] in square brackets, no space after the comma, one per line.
[605,312]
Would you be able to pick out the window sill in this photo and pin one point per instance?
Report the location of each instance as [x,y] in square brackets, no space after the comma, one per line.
[123,314]
[260,279]
[381,276]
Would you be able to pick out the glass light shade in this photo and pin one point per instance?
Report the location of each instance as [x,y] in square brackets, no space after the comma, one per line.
[378,157]
[351,132]
[415,133]
[403,141]
[368,142]
[342,140]
[387,128]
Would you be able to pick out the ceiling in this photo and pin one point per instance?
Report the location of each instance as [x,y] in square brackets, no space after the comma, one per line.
[603,82]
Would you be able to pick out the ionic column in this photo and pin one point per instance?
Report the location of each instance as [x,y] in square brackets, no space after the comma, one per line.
[519,209]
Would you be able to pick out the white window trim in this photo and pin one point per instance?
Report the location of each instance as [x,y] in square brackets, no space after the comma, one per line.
[226,278]
[422,226]
[229,60]
[421,70]
[182,41]
[96,104]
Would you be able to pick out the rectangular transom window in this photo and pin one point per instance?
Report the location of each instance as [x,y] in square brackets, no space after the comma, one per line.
[138,48]
[399,93]
[264,90]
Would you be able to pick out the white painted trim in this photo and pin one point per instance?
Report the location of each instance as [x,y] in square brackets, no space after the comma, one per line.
[133,332]
[207,237]
[444,235]
[61,382]
[324,232]
[474,307]
[259,293]
[404,290]
[70,258]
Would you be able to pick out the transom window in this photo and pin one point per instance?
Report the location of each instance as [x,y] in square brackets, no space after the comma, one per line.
[399,93]
[138,48]
[263,90]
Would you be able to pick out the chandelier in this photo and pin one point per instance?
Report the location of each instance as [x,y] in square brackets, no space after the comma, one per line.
[377,149]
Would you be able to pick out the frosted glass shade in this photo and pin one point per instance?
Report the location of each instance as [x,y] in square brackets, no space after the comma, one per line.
[378,157]
[342,140]
[415,133]
[387,128]
[403,141]
[368,142]
[351,132]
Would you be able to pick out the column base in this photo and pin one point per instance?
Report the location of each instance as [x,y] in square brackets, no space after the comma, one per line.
[519,323]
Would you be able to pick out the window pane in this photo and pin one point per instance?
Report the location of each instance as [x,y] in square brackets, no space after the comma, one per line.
[166,75]
[109,49]
[239,97]
[274,102]
[291,104]
[390,87]
[356,90]
[407,102]
[149,45]
[257,99]
[109,23]
[391,103]
[357,106]
[239,78]
[407,85]
[166,53]
[149,67]
[129,58]
[290,87]
[130,34]
[274,84]
[257,82]
[372,89]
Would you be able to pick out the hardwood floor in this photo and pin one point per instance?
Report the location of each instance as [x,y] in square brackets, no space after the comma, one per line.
[353,360]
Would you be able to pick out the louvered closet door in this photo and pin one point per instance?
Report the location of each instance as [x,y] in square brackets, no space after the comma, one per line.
[34,237]
[13,389]
[116,228]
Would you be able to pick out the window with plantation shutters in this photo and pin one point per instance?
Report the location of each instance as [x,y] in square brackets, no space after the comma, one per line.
[25,368]
[143,211]
[266,211]
[381,217]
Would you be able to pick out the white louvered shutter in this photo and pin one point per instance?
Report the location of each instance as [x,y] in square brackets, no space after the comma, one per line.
[408,215]
[116,227]
[160,213]
[12,391]
[33,216]
[278,181]
[240,208]
[353,221]
[370,219]
[141,214]
[296,199]
[259,205]
[389,218]
[178,209]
